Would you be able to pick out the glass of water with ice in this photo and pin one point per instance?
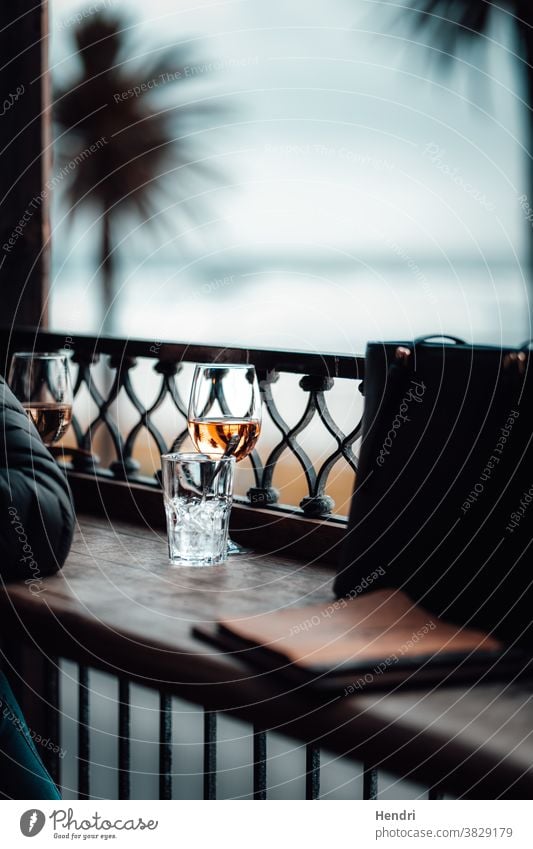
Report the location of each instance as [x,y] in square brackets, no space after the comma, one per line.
[198,494]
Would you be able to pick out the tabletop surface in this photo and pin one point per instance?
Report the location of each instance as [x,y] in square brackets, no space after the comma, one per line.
[119,605]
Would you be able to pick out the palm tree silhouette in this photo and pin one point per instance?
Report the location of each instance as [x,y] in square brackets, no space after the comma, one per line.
[112,105]
[454,24]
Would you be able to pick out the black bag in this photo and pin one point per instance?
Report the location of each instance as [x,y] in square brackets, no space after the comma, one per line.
[444,494]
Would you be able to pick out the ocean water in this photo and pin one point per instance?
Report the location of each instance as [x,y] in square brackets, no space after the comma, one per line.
[308,305]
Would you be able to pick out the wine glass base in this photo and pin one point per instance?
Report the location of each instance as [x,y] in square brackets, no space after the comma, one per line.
[235,549]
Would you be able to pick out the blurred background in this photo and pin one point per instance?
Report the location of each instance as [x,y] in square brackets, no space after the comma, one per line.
[286,174]
[323,178]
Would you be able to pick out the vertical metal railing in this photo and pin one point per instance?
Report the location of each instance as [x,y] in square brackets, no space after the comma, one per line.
[51,696]
[210,755]
[123,739]
[312,771]
[83,734]
[165,746]
[260,763]
[370,783]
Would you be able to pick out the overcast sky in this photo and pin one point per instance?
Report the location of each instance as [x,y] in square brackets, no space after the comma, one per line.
[342,136]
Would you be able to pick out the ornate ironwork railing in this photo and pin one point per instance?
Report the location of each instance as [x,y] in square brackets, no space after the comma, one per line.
[317,377]
[113,360]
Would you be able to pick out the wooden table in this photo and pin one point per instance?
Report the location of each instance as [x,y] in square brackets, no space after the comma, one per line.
[119,606]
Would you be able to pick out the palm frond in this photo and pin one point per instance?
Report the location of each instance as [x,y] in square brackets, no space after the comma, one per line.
[448,24]
[116,97]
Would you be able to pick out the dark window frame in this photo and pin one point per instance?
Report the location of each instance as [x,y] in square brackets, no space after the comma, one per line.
[25,154]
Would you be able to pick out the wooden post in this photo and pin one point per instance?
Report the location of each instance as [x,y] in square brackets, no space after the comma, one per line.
[24,163]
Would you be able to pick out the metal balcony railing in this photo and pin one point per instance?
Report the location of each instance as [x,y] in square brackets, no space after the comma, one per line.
[108,362]
[102,368]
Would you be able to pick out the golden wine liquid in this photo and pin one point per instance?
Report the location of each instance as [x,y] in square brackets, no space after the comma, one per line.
[51,420]
[211,436]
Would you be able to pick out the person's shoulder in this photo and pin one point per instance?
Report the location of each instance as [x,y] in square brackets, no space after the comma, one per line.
[7,400]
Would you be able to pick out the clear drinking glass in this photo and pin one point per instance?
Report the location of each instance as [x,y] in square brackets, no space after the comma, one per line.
[42,384]
[197,493]
[225,413]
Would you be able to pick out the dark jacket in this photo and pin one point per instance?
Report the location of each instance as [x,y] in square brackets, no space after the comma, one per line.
[36,511]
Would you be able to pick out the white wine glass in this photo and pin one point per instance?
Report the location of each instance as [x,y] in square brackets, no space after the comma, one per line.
[224,416]
[42,384]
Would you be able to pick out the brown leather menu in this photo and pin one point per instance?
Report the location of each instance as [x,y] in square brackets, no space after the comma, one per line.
[376,640]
